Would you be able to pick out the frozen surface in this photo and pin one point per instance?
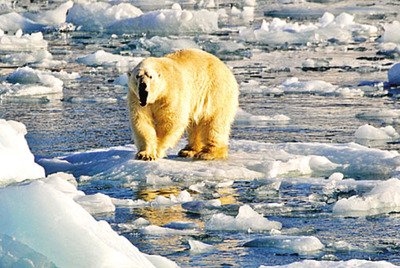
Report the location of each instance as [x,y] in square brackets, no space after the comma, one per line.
[338,264]
[33,212]
[17,161]
[383,198]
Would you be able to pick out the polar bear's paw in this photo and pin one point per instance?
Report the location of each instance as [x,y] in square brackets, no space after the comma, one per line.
[187,152]
[146,156]
[211,153]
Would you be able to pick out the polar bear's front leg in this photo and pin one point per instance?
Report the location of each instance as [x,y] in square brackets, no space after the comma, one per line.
[145,137]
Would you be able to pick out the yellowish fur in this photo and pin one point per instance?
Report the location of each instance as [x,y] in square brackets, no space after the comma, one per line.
[187,90]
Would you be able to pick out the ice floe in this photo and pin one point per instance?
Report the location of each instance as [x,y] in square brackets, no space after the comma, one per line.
[336,264]
[391,34]
[91,16]
[383,198]
[341,29]
[103,58]
[33,212]
[394,74]
[247,220]
[17,161]
[243,117]
[167,22]
[368,132]
[53,17]
[289,244]
[22,42]
[198,247]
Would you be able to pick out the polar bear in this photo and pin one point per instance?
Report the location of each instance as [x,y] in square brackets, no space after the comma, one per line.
[188,90]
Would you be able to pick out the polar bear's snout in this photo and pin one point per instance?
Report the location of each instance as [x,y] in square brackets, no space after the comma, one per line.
[143,93]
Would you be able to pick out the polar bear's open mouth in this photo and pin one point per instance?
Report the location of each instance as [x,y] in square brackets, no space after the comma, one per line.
[143,93]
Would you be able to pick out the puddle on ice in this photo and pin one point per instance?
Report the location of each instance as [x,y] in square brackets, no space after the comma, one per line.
[298,184]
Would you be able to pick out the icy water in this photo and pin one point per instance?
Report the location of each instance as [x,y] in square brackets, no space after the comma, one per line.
[91,113]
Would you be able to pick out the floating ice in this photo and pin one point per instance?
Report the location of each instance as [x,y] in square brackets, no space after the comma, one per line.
[102,58]
[160,200]
[368,132]
[152,179]
[96,203]
[160,45]
[336,264]
[289,244]
[293,85]
[247,220]
[383,198]
[12,22]
[19,42]
[27,81]
[53,17]
[391,34]
[382,115]
[341,29]
[157,230]
[199,247]
[16,160]
[243,117]
[167,22]
[394,74]
[32,213]
[98,16]
[37,58]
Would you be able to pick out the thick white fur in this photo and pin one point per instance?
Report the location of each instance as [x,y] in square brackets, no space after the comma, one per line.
[187,90]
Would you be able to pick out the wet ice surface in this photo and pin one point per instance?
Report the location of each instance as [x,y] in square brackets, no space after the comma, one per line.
[293,97]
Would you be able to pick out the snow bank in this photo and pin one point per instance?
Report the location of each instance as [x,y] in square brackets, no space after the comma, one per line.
[289,244]
[336,264]
[20,42]
[293,85]
[98,16]
[243,117]
[167,22]
[247,220]
[341,29]
[16,160]
[394,74]
[102,58]
[27,81]
[32,213]
[368,132]
[247,160]
[384,198]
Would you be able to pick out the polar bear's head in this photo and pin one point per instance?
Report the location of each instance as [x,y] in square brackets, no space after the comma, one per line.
[145,81]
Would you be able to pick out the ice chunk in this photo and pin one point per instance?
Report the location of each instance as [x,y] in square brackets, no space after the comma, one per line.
[16,160]
[153,179]
[98,16]
[247,220]
[336,264]
[34,212]
[53,17]
[391,33]
[96,203]
[160,200]
[243,117]
[181,225]
[199,247]
[102,58]
[161,45]
[157,230]
[26,42]
[383,198]
[12,22]
[369,132]
[289,244]
[167,22]
[341,29]
[394,74]
[27,81]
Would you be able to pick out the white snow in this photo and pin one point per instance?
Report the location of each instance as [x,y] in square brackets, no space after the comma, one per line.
[290,244]
[336,264]
[247,220]
[278,31]
[167,22]
[32,213]
[16,160]
[383,198]
[368,132]
[91,16]
[394,74]
[22,42]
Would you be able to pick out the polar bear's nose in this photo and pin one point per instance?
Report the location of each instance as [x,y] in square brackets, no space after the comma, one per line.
[143,93]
